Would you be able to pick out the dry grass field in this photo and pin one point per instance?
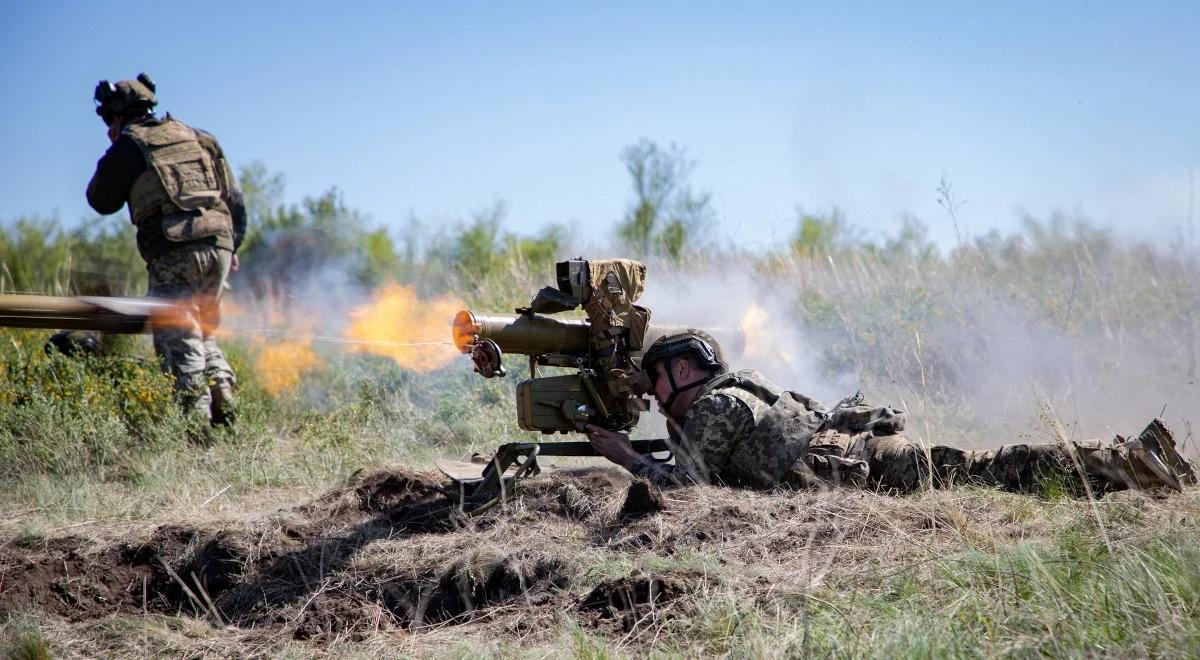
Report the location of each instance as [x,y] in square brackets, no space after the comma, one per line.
[317,526]
[588,564]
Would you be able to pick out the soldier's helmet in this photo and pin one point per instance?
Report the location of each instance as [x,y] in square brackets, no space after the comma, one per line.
[73,343]
[690,341]
[127,98]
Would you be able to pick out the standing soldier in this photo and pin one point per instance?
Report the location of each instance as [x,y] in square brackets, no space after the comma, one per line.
[190,221]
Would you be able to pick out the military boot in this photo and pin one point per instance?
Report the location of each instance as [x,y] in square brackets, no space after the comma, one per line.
[1149,461]
[1158,440]
[224,404]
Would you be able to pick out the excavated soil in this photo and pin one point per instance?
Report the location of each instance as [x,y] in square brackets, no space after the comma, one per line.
[391,551]
[296,570]
[238,575]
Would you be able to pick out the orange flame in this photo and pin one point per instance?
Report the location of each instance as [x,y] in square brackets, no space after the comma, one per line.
[279,364]
[399,325]
[756,327]
[197,313]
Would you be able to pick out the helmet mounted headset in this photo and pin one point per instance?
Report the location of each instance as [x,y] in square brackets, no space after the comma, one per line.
[127,99]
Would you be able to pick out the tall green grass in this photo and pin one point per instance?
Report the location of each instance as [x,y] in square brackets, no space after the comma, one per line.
[978,344]
[1069,598]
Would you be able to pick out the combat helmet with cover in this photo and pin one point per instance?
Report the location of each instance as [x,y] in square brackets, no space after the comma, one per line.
[690,342]
[127,99]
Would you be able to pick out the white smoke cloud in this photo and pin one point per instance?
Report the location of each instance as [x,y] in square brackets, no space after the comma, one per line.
[722,302]
[992,376]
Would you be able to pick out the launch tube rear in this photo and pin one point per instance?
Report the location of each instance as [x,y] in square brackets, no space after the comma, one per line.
[529,334]
[118,315]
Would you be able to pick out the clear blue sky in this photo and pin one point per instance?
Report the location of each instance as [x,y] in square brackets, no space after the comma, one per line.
[441,108]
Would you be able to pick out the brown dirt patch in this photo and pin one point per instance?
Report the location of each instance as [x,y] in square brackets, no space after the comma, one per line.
[388,552]
[634,600]
[642,499]
[226,574]
[71,579]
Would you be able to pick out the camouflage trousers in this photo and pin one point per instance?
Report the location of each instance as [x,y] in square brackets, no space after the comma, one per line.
[862,460]
[195,277]
[897,463]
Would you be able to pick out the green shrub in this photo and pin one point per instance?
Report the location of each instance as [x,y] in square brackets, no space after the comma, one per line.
[63,415]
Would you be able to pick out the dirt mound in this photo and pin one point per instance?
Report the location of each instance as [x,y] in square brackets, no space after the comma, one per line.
[224,574]
[67,577]
[415,500]
[636,599]
[390,551]
[296,569]
[464,590]
[582,495]
[642,499]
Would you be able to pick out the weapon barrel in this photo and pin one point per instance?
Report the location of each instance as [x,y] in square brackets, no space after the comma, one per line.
[530,334]
[104,314]
[542,335]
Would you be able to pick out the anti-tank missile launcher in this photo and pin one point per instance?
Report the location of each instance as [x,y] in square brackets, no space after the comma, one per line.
[561,403]
[602,353]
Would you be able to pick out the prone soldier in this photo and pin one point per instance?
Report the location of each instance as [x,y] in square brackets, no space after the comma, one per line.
[739,429]
[190,220]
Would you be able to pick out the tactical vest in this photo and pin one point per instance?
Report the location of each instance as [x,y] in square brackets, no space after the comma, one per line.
[780,451]
[181,187]
[785,422]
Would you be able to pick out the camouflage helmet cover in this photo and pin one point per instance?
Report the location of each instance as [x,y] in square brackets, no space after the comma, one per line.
[73,342]
[127,98]
[690,341]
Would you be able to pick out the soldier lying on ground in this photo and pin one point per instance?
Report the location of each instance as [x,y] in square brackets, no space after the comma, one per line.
[739,429]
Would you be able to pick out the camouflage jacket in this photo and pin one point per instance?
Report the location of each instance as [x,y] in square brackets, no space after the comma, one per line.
[741,430]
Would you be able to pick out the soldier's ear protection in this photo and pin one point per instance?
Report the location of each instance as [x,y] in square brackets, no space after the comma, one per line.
[112,101]
[104,94]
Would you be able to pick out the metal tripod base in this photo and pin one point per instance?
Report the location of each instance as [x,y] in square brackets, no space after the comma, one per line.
[496,480]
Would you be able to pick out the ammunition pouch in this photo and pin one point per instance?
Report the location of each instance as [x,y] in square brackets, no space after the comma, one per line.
[191,225]
[876,420]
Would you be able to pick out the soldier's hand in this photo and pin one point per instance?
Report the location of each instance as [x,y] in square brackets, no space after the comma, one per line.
[611,445]
[114,130]
[233,264]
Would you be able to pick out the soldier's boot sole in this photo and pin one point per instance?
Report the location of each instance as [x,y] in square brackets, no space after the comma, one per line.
[1148,470]
[1158,440]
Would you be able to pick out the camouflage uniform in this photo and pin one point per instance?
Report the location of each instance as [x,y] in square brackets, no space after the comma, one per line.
[190,221]
[742,430]
[189,352]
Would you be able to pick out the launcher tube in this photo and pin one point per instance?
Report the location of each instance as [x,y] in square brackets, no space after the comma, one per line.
[522,333]
[103,314]
[543,335]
